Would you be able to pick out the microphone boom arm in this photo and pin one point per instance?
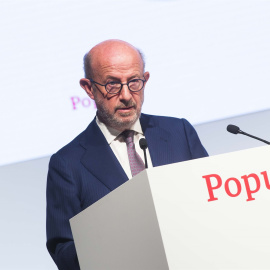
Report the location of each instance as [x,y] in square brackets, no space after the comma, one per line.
[254,137]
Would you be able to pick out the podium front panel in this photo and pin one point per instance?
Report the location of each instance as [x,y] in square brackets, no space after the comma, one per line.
[213,212]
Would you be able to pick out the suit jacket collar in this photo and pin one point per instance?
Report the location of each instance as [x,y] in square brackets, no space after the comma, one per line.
[100,160]
[157,139]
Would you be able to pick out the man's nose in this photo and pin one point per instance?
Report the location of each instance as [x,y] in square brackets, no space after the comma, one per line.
[125,94]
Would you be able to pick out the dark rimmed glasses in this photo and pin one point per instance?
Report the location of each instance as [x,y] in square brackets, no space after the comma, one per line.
[134,85]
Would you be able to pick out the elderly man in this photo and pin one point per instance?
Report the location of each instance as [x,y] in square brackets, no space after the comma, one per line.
[107,153]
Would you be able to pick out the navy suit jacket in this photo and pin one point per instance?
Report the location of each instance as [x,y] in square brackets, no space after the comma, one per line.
[86,169]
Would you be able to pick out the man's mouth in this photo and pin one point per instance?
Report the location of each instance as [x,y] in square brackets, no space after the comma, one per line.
[125,109]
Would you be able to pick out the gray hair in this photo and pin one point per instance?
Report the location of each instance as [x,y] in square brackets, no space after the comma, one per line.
[87,66]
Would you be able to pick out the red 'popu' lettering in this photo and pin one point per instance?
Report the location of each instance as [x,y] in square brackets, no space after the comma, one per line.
[251,183]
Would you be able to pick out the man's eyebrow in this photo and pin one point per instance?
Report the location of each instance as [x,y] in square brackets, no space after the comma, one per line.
[112,78]
[137,76]
[109,77]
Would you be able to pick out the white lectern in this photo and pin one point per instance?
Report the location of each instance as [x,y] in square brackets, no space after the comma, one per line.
[209,213]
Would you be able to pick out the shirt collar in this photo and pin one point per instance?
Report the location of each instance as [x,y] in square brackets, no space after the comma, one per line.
[111,134]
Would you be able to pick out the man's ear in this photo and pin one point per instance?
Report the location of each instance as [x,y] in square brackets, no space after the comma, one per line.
[87,86]
[146,76]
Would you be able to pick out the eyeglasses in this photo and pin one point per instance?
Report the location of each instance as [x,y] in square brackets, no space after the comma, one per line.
[134,85]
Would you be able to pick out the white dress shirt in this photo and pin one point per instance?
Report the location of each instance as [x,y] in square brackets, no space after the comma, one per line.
[119,147]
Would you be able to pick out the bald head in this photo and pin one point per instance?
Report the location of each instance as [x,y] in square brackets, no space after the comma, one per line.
[106,50]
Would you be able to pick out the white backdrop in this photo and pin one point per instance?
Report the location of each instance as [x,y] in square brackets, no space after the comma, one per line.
[208,60]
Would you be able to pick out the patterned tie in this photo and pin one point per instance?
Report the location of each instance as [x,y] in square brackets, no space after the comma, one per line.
[135,161]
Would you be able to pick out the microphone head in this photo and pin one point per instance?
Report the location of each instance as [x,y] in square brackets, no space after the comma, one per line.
[233,129]
[143,143]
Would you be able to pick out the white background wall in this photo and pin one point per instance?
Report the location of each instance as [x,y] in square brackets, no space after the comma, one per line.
[209,62]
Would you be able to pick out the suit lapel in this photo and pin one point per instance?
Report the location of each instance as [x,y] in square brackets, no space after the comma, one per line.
[99,158]
[157,139]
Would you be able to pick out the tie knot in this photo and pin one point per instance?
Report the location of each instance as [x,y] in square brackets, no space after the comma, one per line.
[128,135]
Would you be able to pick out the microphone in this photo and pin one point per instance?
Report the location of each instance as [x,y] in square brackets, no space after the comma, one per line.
[143,145]
[235,130]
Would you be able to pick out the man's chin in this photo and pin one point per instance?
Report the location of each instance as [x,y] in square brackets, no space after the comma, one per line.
[125,121]
[119,121]
[128,120]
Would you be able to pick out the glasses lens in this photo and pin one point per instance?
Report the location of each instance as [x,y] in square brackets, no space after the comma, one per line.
[135,85]
[113,87]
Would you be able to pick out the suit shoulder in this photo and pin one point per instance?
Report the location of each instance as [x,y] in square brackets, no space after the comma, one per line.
[71,149]
[165,120]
